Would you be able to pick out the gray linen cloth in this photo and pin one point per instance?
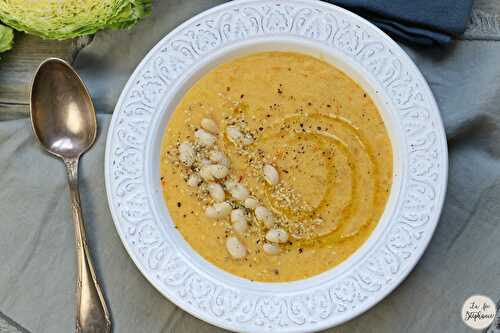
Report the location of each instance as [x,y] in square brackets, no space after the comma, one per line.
[36,233]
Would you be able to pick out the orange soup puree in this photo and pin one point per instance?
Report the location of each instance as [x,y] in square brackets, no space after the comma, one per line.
[276,166]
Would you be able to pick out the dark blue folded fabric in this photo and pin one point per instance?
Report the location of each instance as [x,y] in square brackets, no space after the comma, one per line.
[424,22]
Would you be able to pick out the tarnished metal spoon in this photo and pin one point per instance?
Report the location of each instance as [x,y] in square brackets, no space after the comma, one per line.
[64,122]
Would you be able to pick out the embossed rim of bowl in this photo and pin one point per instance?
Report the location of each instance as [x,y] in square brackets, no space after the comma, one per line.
[132,167]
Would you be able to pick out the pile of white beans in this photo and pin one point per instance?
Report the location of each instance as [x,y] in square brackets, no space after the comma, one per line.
[231,199]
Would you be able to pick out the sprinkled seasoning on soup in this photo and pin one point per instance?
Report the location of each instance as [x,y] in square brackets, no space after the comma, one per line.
[276,166]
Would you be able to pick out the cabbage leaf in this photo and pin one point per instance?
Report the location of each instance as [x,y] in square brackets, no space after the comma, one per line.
[6,38]
[62,19]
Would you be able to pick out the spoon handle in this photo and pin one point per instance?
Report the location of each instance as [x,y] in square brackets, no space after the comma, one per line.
[92,315]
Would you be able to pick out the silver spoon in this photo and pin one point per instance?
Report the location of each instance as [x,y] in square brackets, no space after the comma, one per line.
[64,122]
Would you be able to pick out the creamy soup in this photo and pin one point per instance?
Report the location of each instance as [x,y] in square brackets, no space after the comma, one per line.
[276,166]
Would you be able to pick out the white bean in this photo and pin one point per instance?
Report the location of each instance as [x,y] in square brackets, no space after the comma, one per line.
[238,191]
[239,220]
[210,212]
[219,171]
[263,214]
[219,157]
[209,125]
[216,192]
[186,153]
[234,134]
[271,174]
[238,215]
[205,162]
[193,180]
[271,248]
[277,236]
[209,172]
[240,227]
[229,184]
[247,140]
[251,203]
[236,249]
[206,173]
[218,210]
[204,138]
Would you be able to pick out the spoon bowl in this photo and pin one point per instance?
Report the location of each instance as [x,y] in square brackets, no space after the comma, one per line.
[62,112]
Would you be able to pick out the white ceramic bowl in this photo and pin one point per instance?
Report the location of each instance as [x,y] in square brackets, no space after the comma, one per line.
[232,30]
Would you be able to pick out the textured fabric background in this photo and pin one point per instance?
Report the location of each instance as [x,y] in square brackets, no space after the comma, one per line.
[418,22]
[36,233]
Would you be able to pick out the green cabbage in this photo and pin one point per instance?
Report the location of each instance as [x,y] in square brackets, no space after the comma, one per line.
[6,38]
[62,19]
